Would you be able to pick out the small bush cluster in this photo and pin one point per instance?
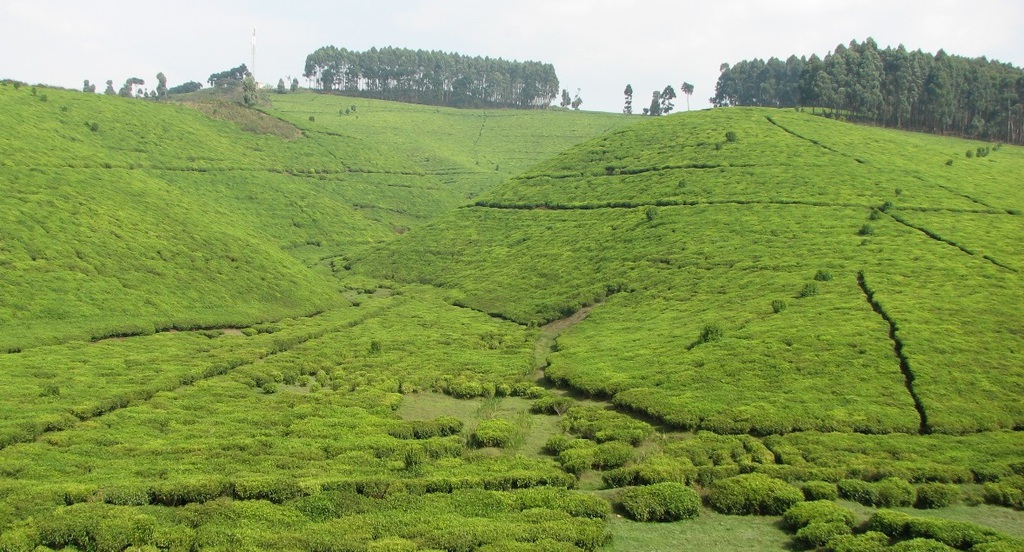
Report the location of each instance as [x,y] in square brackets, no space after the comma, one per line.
[820,490]
[810,289]
[753,494]
[1009,492]
[889,492]
[603,425]
[778,305]
[711,332]
[551,405]
[494,433]
[661,502]
[936,495]
[819,511]
[957,534]
[443,426]
[653,469]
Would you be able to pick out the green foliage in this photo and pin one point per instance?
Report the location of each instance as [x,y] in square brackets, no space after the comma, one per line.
[753,494]
[494,433]
[1009,492]
[603,425]
[888,493]
[818,534]
[820,511]
[711,332]
[870,541]
[778,305]
[936,495]
[661,502]
[956,534]
[731,136]
[820,490]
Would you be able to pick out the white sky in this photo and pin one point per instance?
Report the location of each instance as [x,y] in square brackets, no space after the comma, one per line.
[596,45]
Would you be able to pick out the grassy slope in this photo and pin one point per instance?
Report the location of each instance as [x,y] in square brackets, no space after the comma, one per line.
[704,232]
[125,216]
[280,439]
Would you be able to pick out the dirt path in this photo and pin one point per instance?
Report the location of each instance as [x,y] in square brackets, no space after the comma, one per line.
[545,344]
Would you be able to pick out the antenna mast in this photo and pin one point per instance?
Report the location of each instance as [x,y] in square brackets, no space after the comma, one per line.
[252,69]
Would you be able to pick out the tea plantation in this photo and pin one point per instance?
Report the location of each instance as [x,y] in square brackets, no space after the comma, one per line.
[339,324]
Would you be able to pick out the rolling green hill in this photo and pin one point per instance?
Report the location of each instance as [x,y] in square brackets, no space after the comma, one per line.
[760,284]
[125,217]
[395,327]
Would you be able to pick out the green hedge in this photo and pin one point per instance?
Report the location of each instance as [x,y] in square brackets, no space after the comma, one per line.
[661,502]
[820,511]
[753,494]
[494,433]
[936,495]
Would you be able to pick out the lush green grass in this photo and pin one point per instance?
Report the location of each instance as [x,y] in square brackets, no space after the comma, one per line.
[801,303]
[124,216]
[700,232]
[710,531]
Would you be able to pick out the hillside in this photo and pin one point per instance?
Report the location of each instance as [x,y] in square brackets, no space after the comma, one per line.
[410,328]
[691,241]
[126,217]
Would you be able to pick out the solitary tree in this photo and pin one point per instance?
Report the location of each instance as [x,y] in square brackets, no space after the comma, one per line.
[280,86]
[566,100]
[687,89]
[110,89]
[577,101]
[628,109]
[667,96]
[250,92]
[161,85]
[88,87]
[295,85]
[655,108]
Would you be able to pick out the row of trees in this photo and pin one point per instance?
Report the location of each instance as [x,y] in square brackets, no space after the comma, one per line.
[661,101]
[938,93]
[132,87]
[432,77]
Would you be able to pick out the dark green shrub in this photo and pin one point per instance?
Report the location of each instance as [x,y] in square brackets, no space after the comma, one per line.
[936,495]
[273,489]
[820,511]
[1009,492]
[818,534]
[551,405]
[494,433]
[857,491]
[612,454]
[190,491]
[753,494]
[574,503]
[970,154]
[711,332]
[820,490]
[893,492]
[731,136]
[872,541]
[866,230]
[577,460]
[312,118]
[920,545]
[949,162]
[661,502]
[778,306]
[810,289]
[875,214]
[823,276]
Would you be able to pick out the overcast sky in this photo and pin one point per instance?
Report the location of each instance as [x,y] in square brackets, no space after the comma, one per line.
[597,46]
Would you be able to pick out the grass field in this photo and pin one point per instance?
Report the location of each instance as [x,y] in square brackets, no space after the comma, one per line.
[342,324]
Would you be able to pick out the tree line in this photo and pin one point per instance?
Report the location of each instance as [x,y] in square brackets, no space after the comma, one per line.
[894,87]
[432,77]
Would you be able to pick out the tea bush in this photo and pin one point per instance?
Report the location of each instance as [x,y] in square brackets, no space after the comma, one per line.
[753,494]
[661,502]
